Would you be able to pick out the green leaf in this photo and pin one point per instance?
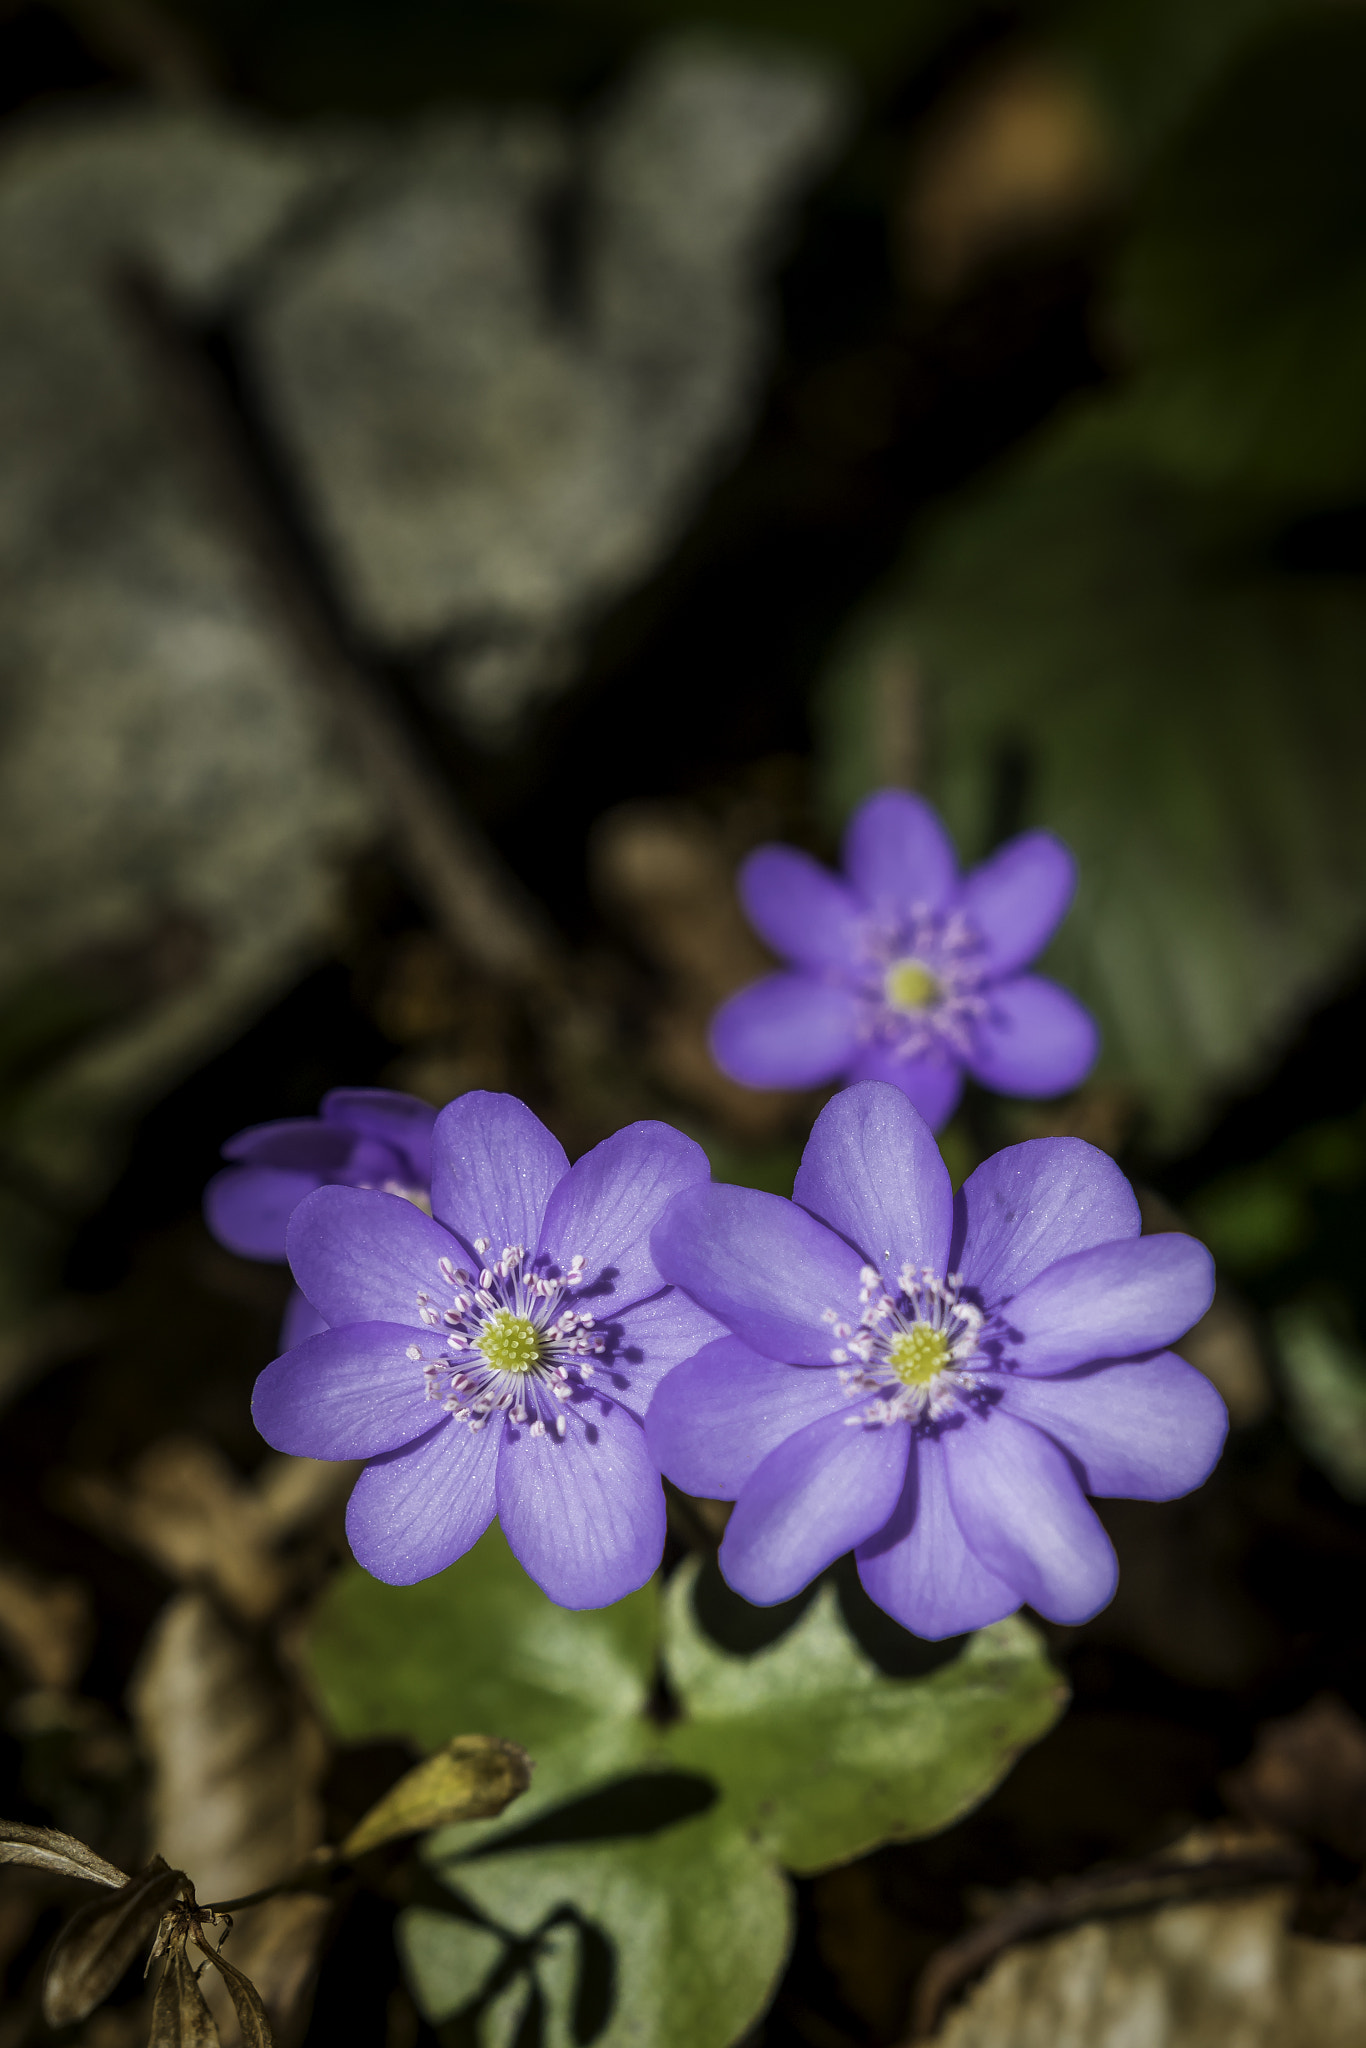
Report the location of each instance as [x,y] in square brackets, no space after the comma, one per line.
[1149,60]
[448,1961]
[1325,1385]
[820,1757]
[638,1889]
[1243,290]
[479,1646]
[1191,726]
[688,1929]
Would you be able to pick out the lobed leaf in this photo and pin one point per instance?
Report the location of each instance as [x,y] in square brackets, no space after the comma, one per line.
[820,1757]
[473,1778]
[637,1894]
[97,1945]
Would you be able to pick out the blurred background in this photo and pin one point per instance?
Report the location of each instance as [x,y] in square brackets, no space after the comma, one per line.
[469,471]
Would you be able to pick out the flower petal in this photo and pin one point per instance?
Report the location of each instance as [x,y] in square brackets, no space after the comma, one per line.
[494,1168]
[1017,899]
[919,1569]
[414,1511]
[583,1514]
[1112,1302]
[786,1031]
[933,1082]
[799,908]
[403,1121]
[1034,1203]
[248,1208]
[1147,1429]
[762,1265]
[647,1341]
[299,1144]
[817,1495]
[347,1393]
[1036,1039]
[1017,1501]
[608,1203]
[896,853]
[362,1257]
[872,1171]
[300,1320]
[715,1418]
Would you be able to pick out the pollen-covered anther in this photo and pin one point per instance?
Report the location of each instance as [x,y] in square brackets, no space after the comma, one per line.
[511,1346]
[912,1350]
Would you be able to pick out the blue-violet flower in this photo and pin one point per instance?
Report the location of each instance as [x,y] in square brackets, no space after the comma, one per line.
[904,972]
[361,1138]
[497,1355]
[933,1382]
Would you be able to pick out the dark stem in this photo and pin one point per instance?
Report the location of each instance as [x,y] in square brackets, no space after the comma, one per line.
[1127,1888]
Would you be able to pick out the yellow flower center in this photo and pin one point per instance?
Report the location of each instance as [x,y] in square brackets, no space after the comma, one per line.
[911,987]
[917,1354]
[510,1343]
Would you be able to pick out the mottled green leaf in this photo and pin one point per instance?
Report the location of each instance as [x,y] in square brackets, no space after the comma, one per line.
[820,1757]
[1193,727]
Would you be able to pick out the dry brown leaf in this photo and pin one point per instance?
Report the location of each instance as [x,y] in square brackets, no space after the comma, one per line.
[185,1507]
[664,872]
[1307,1774]
[1019,154]
[235,1759]
[1222,1973]
[46,1626]
[180,2018]
[97,1944]
[473,1778]
[246,1999]
[48,1849]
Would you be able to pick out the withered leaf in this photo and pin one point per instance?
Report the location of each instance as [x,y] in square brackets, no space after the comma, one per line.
[180,2018]
[251,2014]
[50,1850]
[98,1943]
[473,1778]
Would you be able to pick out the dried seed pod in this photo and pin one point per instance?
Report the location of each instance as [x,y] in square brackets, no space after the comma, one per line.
[472,1778]
[98,1943]
[48,1849]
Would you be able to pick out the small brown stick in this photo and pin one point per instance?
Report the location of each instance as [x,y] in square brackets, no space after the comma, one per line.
[1127,1888]
[482,908]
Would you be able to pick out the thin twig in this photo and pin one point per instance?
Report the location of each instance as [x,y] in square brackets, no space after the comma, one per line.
[478,904]
[1127,1888]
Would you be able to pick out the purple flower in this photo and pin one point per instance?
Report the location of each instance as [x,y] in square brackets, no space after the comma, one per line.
[496,1356]
[933,1383]
[905,973]
[361,1138]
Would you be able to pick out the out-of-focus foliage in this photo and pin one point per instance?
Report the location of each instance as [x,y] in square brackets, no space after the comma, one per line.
[1324,1373]
[1242,292]
[1191,725]
[654,1840]
[1108,639]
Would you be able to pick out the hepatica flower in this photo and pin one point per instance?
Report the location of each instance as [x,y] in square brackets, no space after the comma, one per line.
[496,1356]
[905,972]
[361,1138]
[933,1383]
